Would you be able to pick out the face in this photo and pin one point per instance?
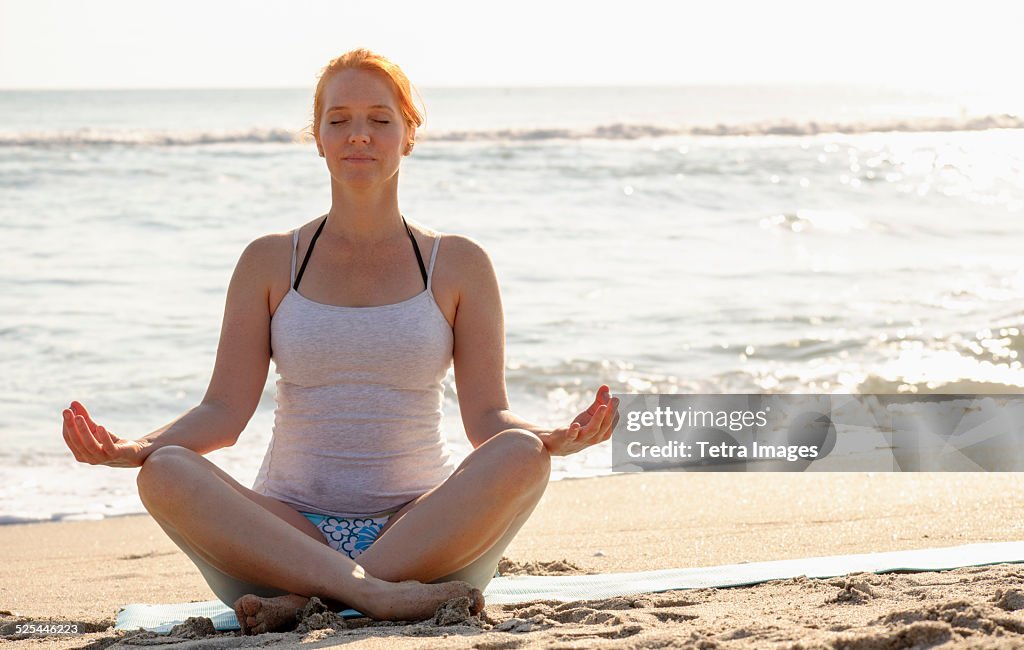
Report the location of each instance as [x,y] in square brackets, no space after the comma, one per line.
[362,135]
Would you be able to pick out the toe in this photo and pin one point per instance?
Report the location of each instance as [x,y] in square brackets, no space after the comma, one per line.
[240,617]
[251,605]
[477,598]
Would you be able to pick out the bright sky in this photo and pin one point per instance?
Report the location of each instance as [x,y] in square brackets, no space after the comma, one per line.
[273,43]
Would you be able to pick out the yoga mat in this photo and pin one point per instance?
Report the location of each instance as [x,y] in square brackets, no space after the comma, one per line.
[514,589]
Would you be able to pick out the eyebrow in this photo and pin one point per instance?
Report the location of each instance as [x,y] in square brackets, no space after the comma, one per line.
[338,108]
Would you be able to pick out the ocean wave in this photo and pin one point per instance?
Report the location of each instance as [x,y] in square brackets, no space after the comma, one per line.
[766,127]
[146,138]
[905,125]
[618,131]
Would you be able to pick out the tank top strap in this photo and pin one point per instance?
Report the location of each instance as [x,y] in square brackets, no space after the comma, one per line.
[433,256]
[295,244]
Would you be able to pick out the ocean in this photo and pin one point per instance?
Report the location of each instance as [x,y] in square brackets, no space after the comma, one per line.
[698,239]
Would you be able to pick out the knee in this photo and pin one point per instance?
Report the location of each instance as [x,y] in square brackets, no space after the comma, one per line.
[525,454]
[163,468]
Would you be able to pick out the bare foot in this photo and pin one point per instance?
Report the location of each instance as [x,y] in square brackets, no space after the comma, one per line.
[414,601]
[257,615]
[391,601]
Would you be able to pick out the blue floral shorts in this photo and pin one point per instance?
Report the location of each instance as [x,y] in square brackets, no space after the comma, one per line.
[352,535]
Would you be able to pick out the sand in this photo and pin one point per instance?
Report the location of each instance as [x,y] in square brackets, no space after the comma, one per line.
[80,572]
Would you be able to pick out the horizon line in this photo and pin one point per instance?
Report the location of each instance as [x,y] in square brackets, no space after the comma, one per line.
[525,86]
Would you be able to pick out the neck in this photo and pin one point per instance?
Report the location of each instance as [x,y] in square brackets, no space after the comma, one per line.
[364,217]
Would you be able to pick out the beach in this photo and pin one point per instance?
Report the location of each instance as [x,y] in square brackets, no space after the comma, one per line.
[81,572]
[835,218]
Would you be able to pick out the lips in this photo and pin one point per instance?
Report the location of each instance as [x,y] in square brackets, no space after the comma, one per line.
[359,158]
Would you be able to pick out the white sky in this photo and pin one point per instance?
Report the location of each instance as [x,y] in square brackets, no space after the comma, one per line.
[272,43]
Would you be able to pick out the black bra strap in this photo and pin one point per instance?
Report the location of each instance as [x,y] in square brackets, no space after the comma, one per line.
[416,247]
[309,251]
[312,242]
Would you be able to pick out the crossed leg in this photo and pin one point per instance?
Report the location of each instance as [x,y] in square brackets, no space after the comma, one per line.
[237,536]
[242,546]
[450,527]
[455,532]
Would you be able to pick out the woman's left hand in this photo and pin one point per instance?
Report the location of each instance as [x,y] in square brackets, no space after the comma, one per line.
[590,427]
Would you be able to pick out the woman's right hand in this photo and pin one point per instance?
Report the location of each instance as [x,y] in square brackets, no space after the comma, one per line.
[95,445]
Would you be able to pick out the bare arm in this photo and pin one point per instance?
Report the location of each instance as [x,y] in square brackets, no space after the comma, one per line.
[240,372]
[480,366]
[204,428]
[479,353]
[497,420]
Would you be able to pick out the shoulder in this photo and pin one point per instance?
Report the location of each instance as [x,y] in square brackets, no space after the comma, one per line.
[458,254]
[267,250]
[266,244]
[267,259]
[272,247]
[468,270]
[466,252]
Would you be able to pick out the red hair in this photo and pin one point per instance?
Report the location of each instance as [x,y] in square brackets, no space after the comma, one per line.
[363,59]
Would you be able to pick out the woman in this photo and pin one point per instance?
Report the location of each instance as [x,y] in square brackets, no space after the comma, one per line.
[357,463]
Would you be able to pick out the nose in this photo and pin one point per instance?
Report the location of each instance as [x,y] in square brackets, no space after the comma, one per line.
[359,138]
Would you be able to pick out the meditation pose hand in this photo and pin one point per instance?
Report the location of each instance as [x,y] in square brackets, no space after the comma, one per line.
[592,426]
[95,445]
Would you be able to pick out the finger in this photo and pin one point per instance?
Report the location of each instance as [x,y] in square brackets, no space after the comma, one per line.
[106,441]
[79,409]
[90,448]
[615,422]
[574,431]
[74,453]
[69,439]
[611,419]
[75,439]
[593,428]
[78,430]
[97,439]
[598,400]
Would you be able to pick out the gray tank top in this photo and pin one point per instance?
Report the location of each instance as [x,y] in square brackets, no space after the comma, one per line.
[359,394]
